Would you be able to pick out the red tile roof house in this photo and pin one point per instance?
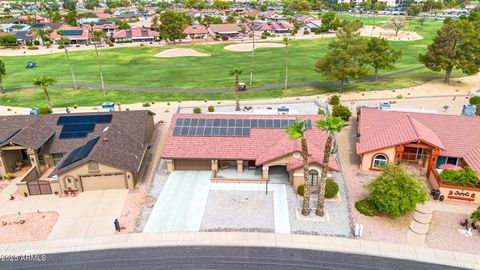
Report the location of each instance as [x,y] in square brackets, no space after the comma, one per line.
[135,35]
[423,141]
[273,27]
[196,32]
[251,144]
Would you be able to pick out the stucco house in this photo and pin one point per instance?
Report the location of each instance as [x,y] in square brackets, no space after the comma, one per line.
[136,35]
[424,141]
[243,148]
[196,31]
[227,30]
[81,151]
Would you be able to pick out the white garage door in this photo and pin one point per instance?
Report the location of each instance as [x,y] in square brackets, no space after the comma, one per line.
[106,181]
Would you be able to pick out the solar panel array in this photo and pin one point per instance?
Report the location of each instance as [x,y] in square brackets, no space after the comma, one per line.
[79,153]
[204,127]
[80,125]
[72,32]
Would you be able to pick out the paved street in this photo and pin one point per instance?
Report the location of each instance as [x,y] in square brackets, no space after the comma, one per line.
[217,257]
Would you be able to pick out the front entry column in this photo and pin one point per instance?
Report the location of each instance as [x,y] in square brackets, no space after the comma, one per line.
[265,172]
[433,161]
[33,157]
[239,166]
[3,170]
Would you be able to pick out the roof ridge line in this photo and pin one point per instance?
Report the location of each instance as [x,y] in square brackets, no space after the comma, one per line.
[410,118]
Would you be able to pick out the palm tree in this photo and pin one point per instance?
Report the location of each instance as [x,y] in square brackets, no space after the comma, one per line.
[236,72]
[98,37]
[40,34]
[286,40]
[330,124]
[62,41]
[297,131]
[44,83]
[3,72]
[253,54]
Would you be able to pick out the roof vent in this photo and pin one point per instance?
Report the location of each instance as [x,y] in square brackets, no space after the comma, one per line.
[105,129]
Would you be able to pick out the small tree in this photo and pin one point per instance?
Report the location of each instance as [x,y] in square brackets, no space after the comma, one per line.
[44,82]
[342,112]
[396,192]
[172,25]
[3,72]
[396,23]
[380,54]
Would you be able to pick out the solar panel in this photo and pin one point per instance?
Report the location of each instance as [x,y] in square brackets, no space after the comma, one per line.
[72,32]
[223,132]
[176,131]
[216,122]
[208,131]
[200,131]
[201,122]
[73,135]
[230,132]
[276,123]
[194,122]
[179,122]
[269,123]
[184,131]
[79,153]
[209,122]
[192,131]
[223,122]
[83,119]
[78,127]
[215,131]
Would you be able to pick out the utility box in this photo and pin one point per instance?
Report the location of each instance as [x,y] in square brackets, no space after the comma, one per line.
[469,110]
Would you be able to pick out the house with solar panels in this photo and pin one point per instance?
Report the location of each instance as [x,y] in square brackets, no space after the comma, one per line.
[76,35]
[80,152]
[244,148]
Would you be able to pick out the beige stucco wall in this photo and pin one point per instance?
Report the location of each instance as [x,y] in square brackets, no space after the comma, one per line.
[446,191]
[366,160]
[298,175]
[82,169]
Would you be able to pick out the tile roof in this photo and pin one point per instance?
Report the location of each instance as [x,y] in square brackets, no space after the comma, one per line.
[135,33]
[225,28]
[456,135]
[122,142]
[198,29]
[263,145]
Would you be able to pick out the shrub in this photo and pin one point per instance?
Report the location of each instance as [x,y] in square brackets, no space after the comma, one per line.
[36,42]
[32,48]
[306,32]
[395,191]
[205,100]
[331,188]
[301,190]
[78,45]
[61,46]
[365,208]
[75,106]
[141,45]
[475,100]
[146,104]
[9,175]
[197,110]
[28,43]
[341,111]
[334,100]
[211,109]
[399,97]
[466,175]
[476,215]
[44,110]
[321,111]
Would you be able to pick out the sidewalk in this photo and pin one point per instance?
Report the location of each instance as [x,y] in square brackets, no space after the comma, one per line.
[333,244]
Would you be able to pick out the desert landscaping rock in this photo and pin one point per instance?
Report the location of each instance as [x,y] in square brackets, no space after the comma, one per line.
[238,211]
[26,227]
[248,47]
[180,52]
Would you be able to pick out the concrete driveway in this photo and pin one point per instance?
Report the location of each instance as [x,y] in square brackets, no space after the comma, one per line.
[181,204]
[88,214]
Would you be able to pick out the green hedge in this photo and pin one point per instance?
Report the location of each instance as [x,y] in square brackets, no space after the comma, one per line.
[466,175]
[334,100]
[365,208]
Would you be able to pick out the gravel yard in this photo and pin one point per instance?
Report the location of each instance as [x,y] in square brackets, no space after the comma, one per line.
[339,215]
[238,211]
[304,108]
[26,227]
[443,233]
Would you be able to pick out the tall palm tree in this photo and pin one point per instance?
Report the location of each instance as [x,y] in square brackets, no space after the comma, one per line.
[297,131]
[236,72]
[286,40]
[40,34]
[253,54]
[330,124]
[98,37]
[44,82]
[62,40]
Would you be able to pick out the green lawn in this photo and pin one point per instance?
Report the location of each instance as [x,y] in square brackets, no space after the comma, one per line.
[136,67]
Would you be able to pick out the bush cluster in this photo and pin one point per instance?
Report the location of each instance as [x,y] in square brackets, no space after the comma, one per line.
[197,110]
[334,100]
[466,175]
[32,48]
[366,208]
[44,110]
[331,188]
[301,190]
[146,104]
[321,111]
[211,108]
[341,111]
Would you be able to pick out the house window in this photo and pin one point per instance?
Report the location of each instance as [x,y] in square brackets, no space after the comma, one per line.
[446,160]
[57,157]
[379,161]
[313,177]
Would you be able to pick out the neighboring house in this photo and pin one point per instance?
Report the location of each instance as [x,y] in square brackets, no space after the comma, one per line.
[81,151]
[107,27]
[103,16]
[23,37]
[301,18]
[196,32]
[76,35]
[311,25]
[46,26]
[28,19]
[273,27]
[10,27]
[247,146]
[423,141]
[136,35]
[226,31]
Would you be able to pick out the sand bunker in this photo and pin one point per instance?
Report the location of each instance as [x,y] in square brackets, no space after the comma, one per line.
[249,46]
[179,53]
[377,31]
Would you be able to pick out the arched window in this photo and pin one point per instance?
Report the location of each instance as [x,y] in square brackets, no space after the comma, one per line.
[313,177]
[379,161]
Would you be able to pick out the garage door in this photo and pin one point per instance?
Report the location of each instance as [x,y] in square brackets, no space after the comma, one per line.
[107,181]
[192,165]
